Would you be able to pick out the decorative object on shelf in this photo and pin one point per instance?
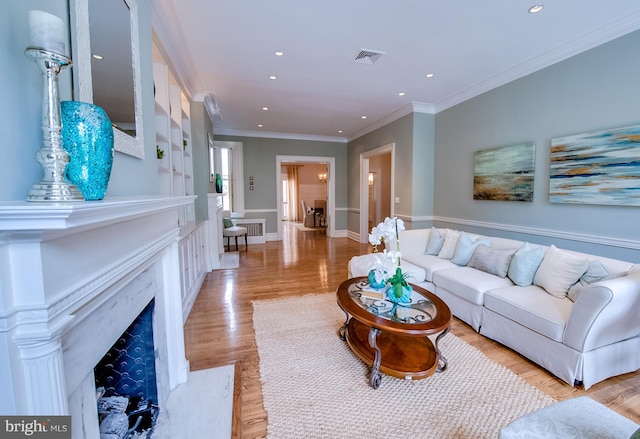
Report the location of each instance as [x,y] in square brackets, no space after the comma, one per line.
[389,261]
[47,41]
[159,153]
[87,135]
[218,183]
[184,144]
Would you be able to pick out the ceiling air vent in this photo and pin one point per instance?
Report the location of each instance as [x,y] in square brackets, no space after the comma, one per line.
[368,56]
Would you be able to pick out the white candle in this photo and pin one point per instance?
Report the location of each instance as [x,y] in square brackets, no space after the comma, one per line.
[47,32]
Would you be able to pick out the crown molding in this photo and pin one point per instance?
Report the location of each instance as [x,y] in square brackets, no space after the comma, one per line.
[411,107]
[275,135]
[580,44]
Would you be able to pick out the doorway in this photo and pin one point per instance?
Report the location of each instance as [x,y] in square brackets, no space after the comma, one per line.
[288,202]
[377,177]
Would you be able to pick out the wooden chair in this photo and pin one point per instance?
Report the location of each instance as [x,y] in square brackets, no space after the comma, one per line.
[230,230]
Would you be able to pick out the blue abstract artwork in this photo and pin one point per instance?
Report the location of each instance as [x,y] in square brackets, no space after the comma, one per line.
[504,173]
[601,167]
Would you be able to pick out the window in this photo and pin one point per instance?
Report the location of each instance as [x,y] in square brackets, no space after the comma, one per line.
[229,165]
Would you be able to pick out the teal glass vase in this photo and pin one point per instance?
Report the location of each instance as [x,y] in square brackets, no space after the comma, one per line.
[87,136]
[218,183]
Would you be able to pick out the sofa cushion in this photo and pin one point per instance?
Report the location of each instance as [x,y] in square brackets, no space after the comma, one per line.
[468,283]
[559,270]
[524,264]
[595,271]
[415,274]
[435,242]
[531,307]
[492,260]
[428,263]
[449,246]
[465,247]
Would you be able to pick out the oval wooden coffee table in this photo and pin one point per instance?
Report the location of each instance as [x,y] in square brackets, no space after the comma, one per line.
[394,338]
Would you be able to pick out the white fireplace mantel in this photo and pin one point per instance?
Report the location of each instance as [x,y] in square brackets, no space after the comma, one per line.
[72,278]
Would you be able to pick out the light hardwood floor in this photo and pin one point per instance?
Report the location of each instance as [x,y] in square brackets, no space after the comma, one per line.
[219,329]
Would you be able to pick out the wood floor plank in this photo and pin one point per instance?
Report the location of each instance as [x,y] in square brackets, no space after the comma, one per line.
[219,329]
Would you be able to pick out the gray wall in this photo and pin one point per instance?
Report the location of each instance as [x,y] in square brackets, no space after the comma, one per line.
[413,136]
[21,106]
[591,91]
[260,162]
[200,126]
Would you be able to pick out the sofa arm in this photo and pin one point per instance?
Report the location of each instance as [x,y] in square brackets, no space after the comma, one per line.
[605,313]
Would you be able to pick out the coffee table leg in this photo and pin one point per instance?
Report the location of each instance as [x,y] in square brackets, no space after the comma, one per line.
[375,377]
[342,332]
[442,360]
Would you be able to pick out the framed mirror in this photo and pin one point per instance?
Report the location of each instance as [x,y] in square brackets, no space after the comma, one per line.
[109,29]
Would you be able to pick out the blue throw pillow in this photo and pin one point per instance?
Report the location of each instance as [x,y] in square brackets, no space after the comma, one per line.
[524,264]
[227,222]
[465,247]
[435,242]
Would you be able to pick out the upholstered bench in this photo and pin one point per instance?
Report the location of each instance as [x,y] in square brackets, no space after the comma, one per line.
[580,417]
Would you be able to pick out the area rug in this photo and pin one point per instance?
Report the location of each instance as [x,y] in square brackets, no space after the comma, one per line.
[314,387]
[229,260]
[302,228]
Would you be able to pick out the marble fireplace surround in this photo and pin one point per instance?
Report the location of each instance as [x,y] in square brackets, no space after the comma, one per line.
[72,278]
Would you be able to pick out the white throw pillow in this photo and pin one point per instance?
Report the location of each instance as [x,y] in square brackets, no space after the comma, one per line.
[559,270]
[465,247]
[449,247]
[524,264]
[435,242]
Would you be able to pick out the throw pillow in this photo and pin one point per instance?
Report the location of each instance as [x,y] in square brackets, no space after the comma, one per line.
[449,245]
[492,260]
[595,272]
[524,264]
[465,247]
[435,242]
[227,222]
[559,270]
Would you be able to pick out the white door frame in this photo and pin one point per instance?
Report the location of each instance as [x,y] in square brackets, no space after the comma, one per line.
[331,187]
[364,185]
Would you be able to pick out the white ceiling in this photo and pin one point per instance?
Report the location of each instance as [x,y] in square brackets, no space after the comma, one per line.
[227,47]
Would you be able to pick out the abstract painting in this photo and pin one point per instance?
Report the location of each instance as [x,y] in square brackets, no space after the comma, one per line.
[601,167]
[504,173]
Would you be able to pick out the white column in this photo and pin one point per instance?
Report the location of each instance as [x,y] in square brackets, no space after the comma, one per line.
[44,385]
[172,308]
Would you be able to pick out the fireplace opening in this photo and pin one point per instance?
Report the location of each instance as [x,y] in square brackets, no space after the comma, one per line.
[125,379]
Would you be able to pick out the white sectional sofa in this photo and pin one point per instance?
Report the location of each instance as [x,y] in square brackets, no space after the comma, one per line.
[575,314]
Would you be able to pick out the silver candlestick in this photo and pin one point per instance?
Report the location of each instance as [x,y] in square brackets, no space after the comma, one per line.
[53,187]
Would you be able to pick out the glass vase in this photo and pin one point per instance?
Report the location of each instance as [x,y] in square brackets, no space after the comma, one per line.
[218,183]
[87,136]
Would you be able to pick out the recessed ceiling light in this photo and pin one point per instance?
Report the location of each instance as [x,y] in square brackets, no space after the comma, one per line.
[278,53]
[265,108]
[259,125]
[364,117]
[535,8]
[429,75]
[272,77]
[98,56]
[401,93]
[339,131]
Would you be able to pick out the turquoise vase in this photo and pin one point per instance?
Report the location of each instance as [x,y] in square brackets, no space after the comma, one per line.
[218,183]
[87,136]
[404,298]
